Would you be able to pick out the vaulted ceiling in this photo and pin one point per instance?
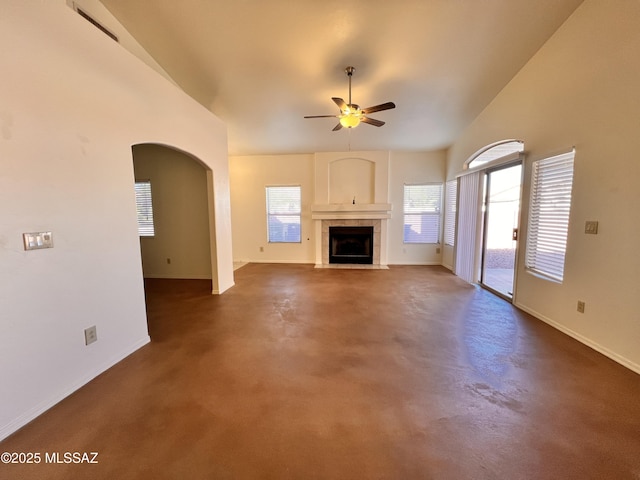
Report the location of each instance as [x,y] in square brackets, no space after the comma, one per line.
[262,65]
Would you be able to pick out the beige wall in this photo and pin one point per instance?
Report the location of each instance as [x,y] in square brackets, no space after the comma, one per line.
[581,90]
[180,214]
[249,175]
[72,103]
[408,168]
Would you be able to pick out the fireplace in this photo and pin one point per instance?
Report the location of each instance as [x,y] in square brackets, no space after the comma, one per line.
[351,244]
[373,216]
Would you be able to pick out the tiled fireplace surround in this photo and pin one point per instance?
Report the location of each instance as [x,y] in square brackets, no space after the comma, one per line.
[351,223]
[351,189]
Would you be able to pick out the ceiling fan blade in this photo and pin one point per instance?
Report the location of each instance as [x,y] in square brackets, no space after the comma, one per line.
[379,108]
[337,127]
[322,116]
[372,121]
[340,102]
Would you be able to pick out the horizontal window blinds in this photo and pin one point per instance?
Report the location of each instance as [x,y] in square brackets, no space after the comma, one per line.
[451,189]
[422,205]
[283,214]
[551,184]
[144,209]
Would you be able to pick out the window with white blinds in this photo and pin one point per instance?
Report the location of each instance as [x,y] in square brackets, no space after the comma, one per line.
[144,209]
[422,213]
[451,190]
[283,214]
[551,183]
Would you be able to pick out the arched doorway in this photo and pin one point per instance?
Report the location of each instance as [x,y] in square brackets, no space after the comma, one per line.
[182,243]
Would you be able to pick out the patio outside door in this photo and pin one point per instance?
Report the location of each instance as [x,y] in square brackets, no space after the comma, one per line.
[501,215]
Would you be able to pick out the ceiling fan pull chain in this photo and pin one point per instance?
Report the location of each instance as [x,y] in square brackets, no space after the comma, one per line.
[350,71]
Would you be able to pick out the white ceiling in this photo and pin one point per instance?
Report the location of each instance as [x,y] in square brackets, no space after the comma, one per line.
[261,65]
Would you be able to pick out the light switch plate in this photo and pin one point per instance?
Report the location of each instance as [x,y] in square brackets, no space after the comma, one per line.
[37,240]
[90,335]
[591,226]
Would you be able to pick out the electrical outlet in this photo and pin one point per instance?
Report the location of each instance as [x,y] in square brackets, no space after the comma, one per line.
[168,261]
[90,335]
[591,227]
[437,249]
[580,306]
[262,249]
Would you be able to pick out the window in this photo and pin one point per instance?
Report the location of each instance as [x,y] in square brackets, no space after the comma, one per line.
[551,184]
[144,208]
[451,190]
[493,152]
[283,214]
[422,213]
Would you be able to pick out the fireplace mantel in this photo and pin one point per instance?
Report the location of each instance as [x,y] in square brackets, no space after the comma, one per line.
[349,211]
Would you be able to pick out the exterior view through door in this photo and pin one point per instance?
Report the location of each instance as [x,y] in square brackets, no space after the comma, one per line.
[501,215]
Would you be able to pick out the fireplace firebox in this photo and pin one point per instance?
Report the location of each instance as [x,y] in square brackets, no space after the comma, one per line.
[351,245]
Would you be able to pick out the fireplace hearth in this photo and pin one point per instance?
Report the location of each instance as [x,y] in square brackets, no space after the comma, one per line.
[351,245]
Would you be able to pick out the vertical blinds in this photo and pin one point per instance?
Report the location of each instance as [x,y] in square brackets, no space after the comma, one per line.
[422,213]
[551,185]
[144,209]
[468,208]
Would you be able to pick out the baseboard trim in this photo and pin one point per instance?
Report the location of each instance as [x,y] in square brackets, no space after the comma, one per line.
[178,277]
[46,404]
[416,264]
[625,362]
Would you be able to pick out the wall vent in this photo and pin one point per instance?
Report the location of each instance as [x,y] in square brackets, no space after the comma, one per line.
[94,22]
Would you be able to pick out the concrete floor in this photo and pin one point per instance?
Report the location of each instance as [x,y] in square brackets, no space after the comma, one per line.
[303,373]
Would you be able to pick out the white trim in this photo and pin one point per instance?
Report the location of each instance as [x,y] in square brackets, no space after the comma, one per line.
[486,148]
[178,277]
[511,158]
[348,211]
[625,362]
[417,264]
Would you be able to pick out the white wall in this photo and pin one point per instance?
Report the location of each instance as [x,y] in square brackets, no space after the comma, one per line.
[72,103]
[180,214]
[581,89]
[412,168]
[249,175]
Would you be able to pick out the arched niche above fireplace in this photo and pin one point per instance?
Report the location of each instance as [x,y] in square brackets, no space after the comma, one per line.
[352,179]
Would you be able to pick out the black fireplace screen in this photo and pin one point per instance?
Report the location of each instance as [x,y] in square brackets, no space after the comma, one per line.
[351,245]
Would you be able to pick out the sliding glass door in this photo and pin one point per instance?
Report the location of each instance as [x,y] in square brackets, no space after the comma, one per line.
[500,232]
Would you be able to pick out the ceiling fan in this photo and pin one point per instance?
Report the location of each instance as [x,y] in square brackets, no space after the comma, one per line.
[351,114]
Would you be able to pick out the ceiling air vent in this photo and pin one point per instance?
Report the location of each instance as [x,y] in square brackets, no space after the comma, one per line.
[94,22]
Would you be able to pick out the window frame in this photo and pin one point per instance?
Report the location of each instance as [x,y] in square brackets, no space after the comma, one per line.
[283,213]
[550,198]
[497,151]
[428,213]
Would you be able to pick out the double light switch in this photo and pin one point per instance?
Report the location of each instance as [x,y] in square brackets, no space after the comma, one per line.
[36,240]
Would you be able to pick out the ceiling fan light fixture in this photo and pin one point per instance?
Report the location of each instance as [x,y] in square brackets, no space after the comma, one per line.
[350,121]
[351,115]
